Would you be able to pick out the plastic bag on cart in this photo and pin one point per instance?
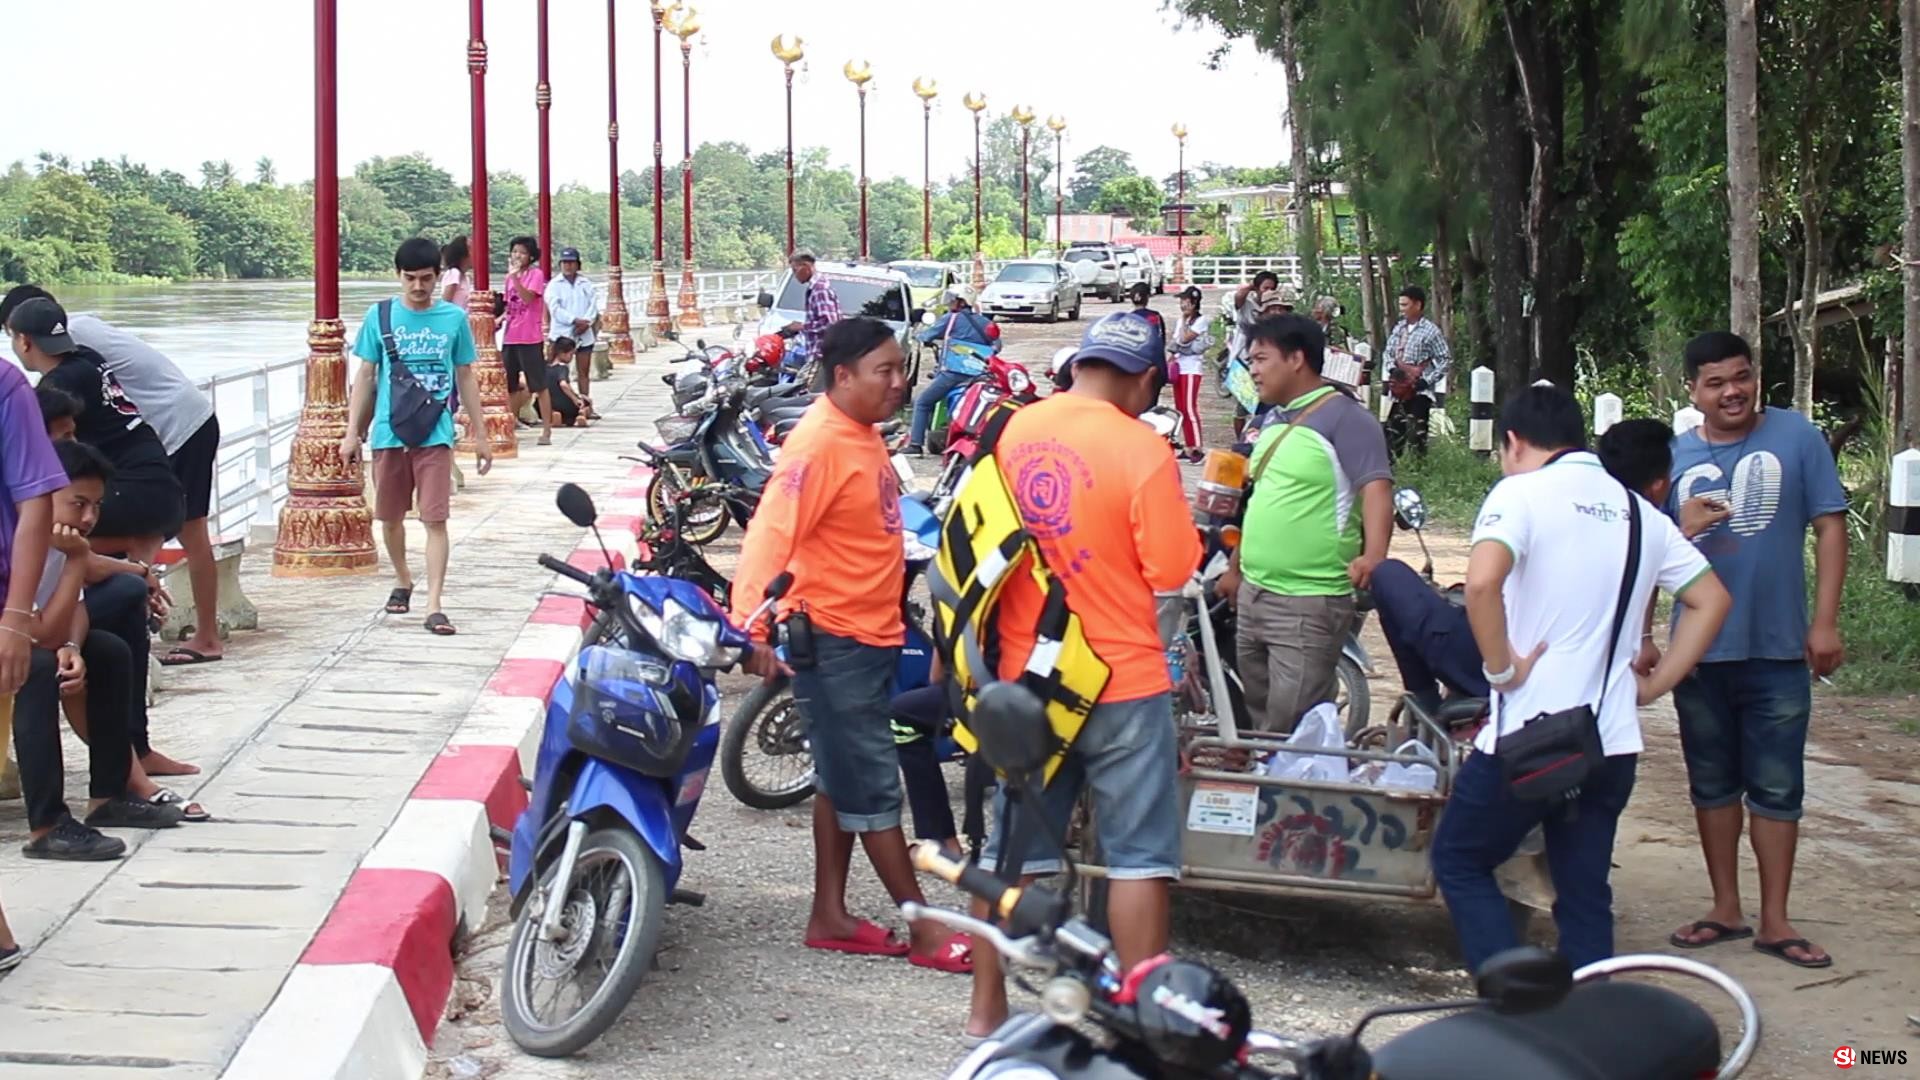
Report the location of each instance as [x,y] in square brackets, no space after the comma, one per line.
[1319,729]
[1416,777]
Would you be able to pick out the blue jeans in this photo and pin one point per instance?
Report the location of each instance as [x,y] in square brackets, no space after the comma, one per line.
[1482,827]
[928,399]
[845,698]
[1128,755]
[1743,730]
[1431,641]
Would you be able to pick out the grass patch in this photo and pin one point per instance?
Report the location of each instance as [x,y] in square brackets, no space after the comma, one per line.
[1880,626]
[1452,479]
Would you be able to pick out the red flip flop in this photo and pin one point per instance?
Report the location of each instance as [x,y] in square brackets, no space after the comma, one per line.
[954,958]
[869,939]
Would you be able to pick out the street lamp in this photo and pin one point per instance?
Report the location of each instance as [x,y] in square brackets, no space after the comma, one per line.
[501,433]
[789,55]
[1058,125]
[974,103]
[1024,117]
[543,103]
[1180,210]
[657,314]
[927,90]
[325,529]
[613,320]
[859,77]
[683,23]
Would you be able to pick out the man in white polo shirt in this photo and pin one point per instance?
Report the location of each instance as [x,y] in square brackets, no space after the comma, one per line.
[1544,589]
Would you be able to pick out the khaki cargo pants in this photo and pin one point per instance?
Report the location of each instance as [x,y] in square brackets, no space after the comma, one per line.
[1289,648]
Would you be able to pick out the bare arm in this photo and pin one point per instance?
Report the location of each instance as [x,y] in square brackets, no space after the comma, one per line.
[1707,603]
[1825,651]
[469,385]
[1487,568]
[360,401]
[1376,531]
[30,534]
[54,624]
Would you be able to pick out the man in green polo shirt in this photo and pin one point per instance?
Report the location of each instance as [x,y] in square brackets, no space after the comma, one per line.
[1317,522]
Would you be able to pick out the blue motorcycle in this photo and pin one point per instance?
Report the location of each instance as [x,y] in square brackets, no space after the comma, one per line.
[630,734]
[766,758]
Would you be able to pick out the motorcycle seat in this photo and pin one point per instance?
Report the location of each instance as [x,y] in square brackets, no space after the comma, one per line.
[758,394]
[771,415]
[1461,710]
[1600,1031]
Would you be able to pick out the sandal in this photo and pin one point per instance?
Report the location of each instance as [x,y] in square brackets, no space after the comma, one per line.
[438,623]
[1721,932]
[1779,949]
[400,601]
[868,939]
[189,811]
[954,958]
[181,656]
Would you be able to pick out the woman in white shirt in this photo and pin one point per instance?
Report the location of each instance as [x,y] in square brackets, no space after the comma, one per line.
[1192,337]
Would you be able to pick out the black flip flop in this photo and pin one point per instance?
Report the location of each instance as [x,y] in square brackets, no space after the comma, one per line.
[181,656]
[438,623]
[1721,932]
[1779,949]
[399,601]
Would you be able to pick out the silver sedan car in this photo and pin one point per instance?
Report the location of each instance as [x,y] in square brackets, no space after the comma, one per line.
[1036,288]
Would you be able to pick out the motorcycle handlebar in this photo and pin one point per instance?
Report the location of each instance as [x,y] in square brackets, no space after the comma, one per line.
[566,570]
[999,895]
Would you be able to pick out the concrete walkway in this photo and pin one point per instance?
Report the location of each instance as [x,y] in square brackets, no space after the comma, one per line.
[312,732]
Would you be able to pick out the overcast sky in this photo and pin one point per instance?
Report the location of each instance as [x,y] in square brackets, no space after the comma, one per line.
[176,83]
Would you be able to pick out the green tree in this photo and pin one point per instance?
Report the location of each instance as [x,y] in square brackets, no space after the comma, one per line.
[148,240]
[1091,172]
[1138,197]
[370,228]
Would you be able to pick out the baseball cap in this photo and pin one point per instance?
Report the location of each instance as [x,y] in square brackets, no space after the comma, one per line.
[45,324]
[569,254]
[1191,292]
[1127,339]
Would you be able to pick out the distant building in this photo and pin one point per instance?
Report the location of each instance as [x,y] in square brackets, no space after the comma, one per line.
[1240,207]
[1093,228]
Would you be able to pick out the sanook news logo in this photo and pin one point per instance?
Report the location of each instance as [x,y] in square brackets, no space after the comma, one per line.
[1847,1057]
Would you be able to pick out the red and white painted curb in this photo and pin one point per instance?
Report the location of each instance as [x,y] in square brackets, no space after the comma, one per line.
[368,993]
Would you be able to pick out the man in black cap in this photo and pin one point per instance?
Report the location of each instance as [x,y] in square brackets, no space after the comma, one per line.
[573,309]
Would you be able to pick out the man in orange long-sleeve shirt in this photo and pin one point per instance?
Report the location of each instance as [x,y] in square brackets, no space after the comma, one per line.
[831,516]
[1101,494]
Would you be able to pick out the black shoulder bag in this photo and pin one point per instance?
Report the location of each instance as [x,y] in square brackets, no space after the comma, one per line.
[1552,755]
[413,413]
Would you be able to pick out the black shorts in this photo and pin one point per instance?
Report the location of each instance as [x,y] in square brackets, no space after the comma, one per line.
[142,501]
[527,362]
[193,466]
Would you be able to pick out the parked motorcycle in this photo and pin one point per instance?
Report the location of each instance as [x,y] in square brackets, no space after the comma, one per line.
[1531,1016]
[630,734]
[766,758]
[1002,380]
[1458,715]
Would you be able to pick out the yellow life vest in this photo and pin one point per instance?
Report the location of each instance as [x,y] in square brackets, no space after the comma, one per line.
[983,542]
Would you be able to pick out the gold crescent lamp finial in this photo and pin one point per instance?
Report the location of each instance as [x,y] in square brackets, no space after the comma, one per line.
[788,54]
[1022,115]
[1180,131]
[926,88]
[857,75]
[681,21]
[1056,124]
[974,101]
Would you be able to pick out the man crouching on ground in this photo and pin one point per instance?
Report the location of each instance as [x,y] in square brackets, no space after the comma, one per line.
[831,517]
[1101,496]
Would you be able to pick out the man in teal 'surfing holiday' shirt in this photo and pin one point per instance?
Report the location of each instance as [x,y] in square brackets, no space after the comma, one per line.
[432,343]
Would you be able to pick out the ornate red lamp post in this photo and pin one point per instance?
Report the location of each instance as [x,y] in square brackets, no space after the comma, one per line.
[789,55]
[1024,117]
[613,320]
[543,101]
[683,23]
[974,103]
[658,315]
[325,528]
[859,76]
[1180,210]
[1058,125]
[927,90]
[501,432]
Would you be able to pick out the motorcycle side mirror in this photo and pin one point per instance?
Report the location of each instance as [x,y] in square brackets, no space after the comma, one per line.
[923,317]
[1525,979]
[765,300]
[700,343]
[778,587]
[576,504]
[1409,509]
[1011,724]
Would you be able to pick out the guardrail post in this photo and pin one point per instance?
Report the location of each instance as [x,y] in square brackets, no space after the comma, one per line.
[1480,418]
[263,508]
[1903,521]
[1606,412]
[1686,418]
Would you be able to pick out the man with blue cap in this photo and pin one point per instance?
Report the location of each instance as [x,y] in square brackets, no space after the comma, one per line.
[573,312]
[1100,494]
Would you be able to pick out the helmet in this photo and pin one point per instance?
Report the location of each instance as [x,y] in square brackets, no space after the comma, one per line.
[952,297]
[1062,367]
[769,348]
[1191,1016]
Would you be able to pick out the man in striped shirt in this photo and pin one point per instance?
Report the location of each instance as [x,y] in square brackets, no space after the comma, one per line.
[1416,352]
[822,307]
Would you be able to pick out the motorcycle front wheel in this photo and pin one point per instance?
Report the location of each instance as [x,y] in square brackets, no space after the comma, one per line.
[1355,698]
[764,754]
[706,518]
[556,997]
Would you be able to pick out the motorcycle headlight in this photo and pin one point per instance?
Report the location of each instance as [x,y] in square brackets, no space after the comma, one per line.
[682,634]
[1019,381]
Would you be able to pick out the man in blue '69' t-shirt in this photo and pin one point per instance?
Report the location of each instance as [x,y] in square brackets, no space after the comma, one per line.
[1744,711]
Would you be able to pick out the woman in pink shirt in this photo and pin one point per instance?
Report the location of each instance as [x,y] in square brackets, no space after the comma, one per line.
[523,348]
[456,275]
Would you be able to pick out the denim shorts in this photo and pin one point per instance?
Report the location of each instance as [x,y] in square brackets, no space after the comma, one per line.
[1127,755]
[1743,728]
[845,698]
